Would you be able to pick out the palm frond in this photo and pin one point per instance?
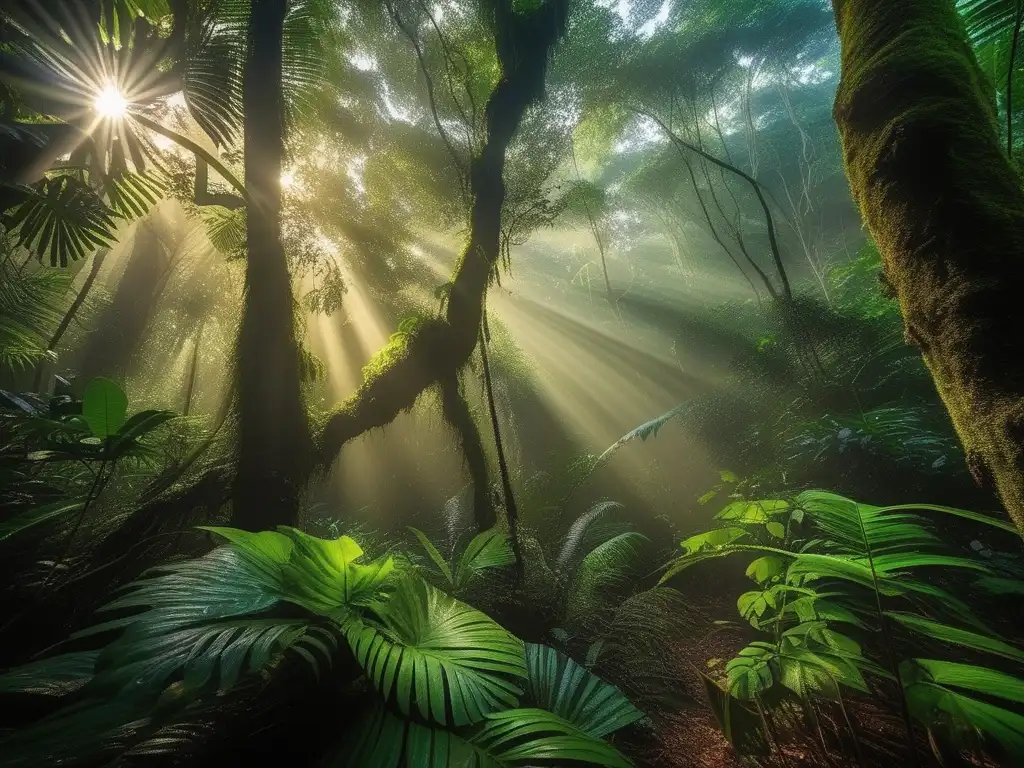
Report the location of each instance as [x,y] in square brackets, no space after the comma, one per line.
[574,544]
[489,549]
[226,229]
[515,737]
[936,694]
[437,657]
[60,218]
[133,195]
[988,20]
[603,569]
[31,304]
[212,69]
[560,685]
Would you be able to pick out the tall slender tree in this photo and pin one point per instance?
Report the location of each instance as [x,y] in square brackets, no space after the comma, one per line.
[273,445]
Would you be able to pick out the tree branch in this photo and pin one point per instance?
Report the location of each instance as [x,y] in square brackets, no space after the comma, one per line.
[197,150]
[755,185]
[436,348]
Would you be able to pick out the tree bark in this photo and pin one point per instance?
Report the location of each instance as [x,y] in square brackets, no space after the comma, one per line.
[460,418]
[273,444]
[440,347]
[946,209]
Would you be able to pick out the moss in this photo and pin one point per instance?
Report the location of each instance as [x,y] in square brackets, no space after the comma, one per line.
[397,349]
[945,207]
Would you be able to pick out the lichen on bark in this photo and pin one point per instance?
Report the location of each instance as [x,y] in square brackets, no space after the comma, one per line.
[946,209]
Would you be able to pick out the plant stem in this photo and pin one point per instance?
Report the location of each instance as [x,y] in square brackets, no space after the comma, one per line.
[58,334]
[853,730]
[511,511]
[769,732]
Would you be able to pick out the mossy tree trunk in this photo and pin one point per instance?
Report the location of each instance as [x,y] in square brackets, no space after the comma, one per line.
[273,442]
[946,209]
[437,348]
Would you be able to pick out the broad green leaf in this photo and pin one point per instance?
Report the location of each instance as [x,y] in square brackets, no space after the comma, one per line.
[489,549]
[203,621]
[990,682]
[560,685]
[714,538]
[748,677]
[937,706]
[515,738]
[104,407]
[136,428]
[752,511]
[776,529]
[764,568]
[323,575]
[547,737]
[267,552]
[437,657]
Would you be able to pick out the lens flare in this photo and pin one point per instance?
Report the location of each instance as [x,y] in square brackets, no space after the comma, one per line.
[110,102]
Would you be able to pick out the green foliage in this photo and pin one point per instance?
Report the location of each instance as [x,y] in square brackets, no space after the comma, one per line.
[578,579]
[48,445]
[104,407]
[200,628]
[433,654]
[60,218]
[31,306]
[488,549]
[226,229]
[561,686]
[824,566]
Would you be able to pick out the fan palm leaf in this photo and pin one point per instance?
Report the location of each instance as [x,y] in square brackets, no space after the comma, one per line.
[988,21]
[561,686]
[62,218]
[438,657]
[31,306]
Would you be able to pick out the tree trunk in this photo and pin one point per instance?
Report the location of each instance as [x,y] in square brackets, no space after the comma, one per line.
[193,366]
[946,209]
[273,429]
[83,293]
[439,348]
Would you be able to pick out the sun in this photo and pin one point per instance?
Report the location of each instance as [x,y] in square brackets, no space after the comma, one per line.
[110,102]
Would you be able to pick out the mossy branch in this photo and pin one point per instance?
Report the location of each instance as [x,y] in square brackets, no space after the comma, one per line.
[439,348]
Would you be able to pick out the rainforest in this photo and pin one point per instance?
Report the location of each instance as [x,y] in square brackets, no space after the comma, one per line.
[511,383]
